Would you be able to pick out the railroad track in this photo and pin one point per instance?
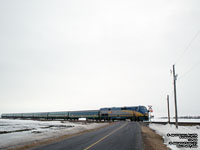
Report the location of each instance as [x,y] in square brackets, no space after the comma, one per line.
[180,123]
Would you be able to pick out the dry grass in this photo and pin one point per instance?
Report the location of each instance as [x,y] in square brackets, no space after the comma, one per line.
[152,141]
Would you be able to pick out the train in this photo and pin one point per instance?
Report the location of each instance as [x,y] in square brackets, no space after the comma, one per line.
[133,113]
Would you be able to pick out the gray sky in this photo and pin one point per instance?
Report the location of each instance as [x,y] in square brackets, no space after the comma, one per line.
[81,54]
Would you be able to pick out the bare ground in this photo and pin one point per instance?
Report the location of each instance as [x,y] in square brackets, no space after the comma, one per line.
[152,141]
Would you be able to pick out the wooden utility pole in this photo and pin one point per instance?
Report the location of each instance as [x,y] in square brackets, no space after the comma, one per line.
[168,108]
[176,113]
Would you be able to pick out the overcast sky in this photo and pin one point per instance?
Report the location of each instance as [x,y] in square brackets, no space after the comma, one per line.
[60,55]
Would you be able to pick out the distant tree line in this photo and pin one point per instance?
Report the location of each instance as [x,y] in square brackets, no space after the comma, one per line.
[183,117]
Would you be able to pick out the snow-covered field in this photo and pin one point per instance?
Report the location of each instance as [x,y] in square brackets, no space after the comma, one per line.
[173,120]
[20,132]
[171,134]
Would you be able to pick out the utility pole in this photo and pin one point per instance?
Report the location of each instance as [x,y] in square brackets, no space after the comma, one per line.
[168,108]
[176,113]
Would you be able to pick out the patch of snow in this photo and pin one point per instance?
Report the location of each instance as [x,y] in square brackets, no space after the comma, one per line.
[82,119]
[168,133]
[20,132]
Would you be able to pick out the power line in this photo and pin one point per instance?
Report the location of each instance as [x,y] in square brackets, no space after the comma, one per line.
[187,47]
[189,70]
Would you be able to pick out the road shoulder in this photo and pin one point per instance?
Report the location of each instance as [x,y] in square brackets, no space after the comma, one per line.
[151,140]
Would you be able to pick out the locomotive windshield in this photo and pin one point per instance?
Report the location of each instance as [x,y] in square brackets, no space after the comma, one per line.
[143,109]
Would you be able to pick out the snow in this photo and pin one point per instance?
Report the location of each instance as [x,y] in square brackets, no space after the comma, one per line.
[167,132]
[20,132]
[173,120]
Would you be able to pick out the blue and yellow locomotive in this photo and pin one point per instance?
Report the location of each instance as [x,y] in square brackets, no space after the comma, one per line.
[135,113]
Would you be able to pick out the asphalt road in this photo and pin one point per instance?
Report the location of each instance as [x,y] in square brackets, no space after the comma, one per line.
[119,136]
